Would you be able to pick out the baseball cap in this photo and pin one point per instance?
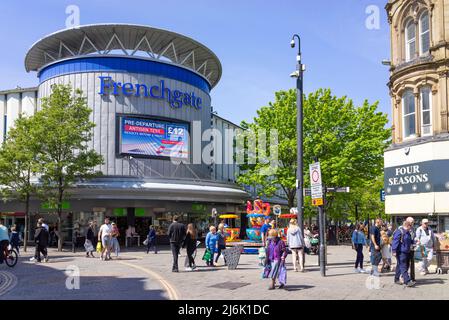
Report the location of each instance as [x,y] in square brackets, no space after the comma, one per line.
[425,221]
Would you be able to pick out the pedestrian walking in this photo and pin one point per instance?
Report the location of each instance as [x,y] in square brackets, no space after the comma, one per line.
[114,237]
[358,242]
[14,239]
[375,249]
[176,234]
[90,243]
[41,237]
[104,235]
[151,239]
[385,249]
[190,246]
[4,240]
[264,230]
[296,244]
[402,243]
[275,260]
[221,244]
[211,244]
[44,225]
[425,240]
[411,255]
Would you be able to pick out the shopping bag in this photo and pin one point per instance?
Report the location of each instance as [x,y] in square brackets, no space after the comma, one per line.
[88,246]
[283,274]
[420,253]
[145,243]
[207,255]
[266,271]
[262,253]
[99,248]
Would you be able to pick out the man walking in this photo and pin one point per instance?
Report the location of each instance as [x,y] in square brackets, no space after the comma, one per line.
[264,230]
[105,236]
[425,239]
[402,243]
[41,237]
[376,254]
[176,234]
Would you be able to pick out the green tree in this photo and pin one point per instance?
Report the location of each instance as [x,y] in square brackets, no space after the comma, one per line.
[64,130]
[349,142]
[18,165]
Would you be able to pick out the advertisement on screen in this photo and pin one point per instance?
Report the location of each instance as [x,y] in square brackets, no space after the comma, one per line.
[154,138]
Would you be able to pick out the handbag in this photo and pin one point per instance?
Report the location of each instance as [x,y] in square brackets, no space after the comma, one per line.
[283,274]
[207,255]
[99,247]
[420,253]
[88,246]
[266,271]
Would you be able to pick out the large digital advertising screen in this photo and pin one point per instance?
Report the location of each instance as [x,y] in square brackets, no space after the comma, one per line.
[153,138]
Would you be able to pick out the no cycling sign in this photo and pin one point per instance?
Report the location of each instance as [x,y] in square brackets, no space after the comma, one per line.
[316,186]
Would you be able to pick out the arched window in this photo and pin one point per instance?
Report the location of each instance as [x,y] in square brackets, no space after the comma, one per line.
[408,114]
[410,41]
[426,110]
[424,33]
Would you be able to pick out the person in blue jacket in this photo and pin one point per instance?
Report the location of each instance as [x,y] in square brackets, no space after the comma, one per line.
[358,241]
[402,243]
[211,244]
[151,239]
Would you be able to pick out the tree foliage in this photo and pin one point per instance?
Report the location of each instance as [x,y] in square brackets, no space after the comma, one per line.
[349,142]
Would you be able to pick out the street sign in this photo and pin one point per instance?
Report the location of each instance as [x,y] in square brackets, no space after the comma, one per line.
[316,187]
[382,195]
[277,210]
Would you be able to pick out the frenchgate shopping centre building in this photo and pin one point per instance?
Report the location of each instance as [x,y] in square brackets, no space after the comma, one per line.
[149,90]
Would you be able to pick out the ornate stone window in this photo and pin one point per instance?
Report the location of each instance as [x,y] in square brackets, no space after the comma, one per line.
[426,111]
[408,114]
[410,40]
[424,33]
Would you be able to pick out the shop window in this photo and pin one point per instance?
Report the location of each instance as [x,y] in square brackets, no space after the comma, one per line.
[409,114]
[426,111]
[424,33]
[410,41]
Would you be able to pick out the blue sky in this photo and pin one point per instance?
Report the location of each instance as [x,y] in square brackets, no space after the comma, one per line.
[251,38]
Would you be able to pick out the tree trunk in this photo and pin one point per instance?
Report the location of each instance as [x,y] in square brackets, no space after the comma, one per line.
[60,240]
[291,199]
[27,209]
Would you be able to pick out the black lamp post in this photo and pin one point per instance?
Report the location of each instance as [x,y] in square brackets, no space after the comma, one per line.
[298,74]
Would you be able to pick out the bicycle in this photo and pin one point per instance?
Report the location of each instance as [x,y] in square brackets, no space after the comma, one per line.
[10,256]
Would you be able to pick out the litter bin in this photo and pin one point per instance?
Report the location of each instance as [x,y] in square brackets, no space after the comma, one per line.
[442,261]
[232,256]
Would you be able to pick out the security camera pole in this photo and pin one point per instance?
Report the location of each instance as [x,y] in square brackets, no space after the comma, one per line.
[298,74]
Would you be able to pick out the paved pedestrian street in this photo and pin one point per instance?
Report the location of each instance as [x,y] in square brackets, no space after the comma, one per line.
[137,275]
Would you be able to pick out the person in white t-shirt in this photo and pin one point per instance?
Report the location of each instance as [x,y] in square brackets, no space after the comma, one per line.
[105,236]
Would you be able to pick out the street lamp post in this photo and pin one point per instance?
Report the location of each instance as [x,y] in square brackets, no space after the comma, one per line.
[298,74]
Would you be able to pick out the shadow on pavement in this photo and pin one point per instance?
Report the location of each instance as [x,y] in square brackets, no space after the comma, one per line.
[424,282]
[41,281]
[297,287]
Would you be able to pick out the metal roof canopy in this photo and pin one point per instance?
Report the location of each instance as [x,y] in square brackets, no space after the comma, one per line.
[101,39]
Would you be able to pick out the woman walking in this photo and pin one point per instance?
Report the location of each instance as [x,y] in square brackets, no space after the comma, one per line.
[190,246]
[115,244]
[90,244]
[151,239]
[211,244]
[275,259]
[221,244]
[295,241]
[358,241]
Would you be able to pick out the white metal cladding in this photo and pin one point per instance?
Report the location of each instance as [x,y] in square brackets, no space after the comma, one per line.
[13,103]
[129,40]
[105,110]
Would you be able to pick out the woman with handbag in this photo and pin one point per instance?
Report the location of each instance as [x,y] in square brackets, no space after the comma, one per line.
[211,245]
[190,246]
[115,244]
[90,241]
[296,244]
[275,260]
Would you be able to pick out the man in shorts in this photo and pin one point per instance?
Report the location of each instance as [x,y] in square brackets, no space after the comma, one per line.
[105,236]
